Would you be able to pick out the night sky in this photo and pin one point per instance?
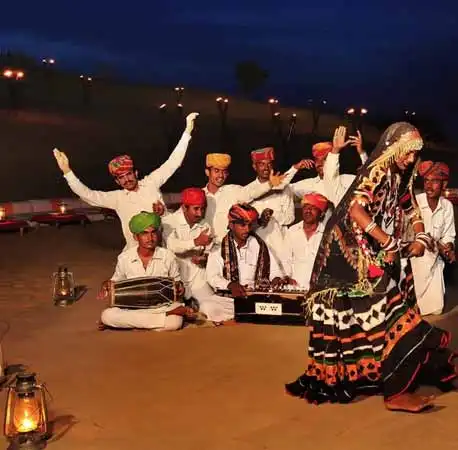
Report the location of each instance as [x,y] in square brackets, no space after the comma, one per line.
[386,56]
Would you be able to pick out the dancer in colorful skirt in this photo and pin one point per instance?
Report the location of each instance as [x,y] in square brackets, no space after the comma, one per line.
[366,334]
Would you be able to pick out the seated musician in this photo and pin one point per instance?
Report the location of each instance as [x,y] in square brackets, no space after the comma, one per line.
[148,259]
[188,236]
[243,260]
[303,240]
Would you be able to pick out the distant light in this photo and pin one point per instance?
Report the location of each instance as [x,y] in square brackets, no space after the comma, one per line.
[294,115]
[52,61]
[324,102]
[364,111]
[19,74]
[89,78]
[273,101]
[179,105]
[8,73]
[351,111]
[81,76]
[277,114]
[179,89]
[219,99]
[163,106]
[414,113]
[226,100]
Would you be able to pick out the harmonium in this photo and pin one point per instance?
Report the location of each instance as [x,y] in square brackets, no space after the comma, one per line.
[282,306]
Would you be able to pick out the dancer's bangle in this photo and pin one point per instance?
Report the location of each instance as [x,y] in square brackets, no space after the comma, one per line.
[370,227]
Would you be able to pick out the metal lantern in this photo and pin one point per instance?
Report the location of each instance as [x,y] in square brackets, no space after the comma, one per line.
[63,287]
[62,208]
[2,213]
[26,414]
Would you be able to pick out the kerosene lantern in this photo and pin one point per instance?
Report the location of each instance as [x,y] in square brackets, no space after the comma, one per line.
[63,287]
[2,213]
[26,414]
[62,208]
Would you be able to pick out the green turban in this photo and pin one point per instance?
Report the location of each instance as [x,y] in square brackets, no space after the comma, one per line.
[140,222]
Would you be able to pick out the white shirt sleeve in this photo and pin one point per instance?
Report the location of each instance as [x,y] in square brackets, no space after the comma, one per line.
[167,169]
[287,254]
[289,175]
[177,245]
[250,192]
[214,270]
[449,227]
[275,270]
[174,269]
[96,198]
[301,187]
[119,273]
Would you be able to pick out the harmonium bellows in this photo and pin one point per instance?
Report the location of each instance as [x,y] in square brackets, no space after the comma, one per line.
[284,306]
[145,292]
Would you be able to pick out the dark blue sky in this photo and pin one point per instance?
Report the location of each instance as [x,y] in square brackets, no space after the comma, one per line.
[389,55]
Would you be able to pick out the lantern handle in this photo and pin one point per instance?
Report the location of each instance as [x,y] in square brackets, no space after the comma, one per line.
[45,388]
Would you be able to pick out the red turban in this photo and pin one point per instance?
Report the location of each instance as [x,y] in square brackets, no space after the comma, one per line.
[321,149]
[316,199]
[263,154]
[243,212]
[438,170]
[121,164]
[193,197]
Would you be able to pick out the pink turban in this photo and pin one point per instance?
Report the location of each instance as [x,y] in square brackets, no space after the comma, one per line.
[263,154]
[316,199]
[321,149]
[243,212]
[438,170]
[121,164]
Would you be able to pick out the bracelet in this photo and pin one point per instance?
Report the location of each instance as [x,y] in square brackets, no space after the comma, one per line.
[388,240]
[370,227]
[391,245]
[424,239]
[417,221]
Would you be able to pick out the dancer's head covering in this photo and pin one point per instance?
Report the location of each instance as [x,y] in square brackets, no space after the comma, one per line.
[140,222]
[263,154]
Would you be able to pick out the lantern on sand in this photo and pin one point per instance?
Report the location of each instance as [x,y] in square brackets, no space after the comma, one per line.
[26,414]
[2,213]
[63,287]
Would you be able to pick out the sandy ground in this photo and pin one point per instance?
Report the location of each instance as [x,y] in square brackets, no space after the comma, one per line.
[200,388]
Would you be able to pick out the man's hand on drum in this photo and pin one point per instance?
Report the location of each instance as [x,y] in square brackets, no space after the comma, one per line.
[158,208]
[180,289]
[278,282]
[105,290]
[289,280]
[237,290]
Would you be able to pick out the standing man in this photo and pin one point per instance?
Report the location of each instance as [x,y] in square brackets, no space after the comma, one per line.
[189,237]
[147,259]
[438,218]
[220,196]
[329,182]
[135,195]
[243,259]
[303,240]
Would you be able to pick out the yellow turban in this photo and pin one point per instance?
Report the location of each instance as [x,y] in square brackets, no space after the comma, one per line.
[218,160]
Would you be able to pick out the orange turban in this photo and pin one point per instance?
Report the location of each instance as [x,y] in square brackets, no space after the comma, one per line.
[121,164]
[263,154]
[243,212]
[438,170]
[316,199]
[218,160]
[193,197]
[321,149]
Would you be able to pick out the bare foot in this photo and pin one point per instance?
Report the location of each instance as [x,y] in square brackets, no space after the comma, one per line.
[410,403]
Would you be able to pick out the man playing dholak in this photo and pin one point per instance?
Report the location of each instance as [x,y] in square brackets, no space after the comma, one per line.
[220,196]
[329,182]
[188,236]
[438,218]
[242,260]
[303,239]
[136,195]
[147,259]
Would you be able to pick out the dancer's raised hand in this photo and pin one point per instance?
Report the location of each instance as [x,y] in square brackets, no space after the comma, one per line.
[62,161]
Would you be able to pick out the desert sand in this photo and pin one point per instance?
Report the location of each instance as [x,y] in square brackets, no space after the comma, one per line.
[198,388]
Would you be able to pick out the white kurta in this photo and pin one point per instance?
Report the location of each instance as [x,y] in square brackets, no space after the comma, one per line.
[300,253]
[128,203]
[219,203]
[247,258]
[274,236]
[333,185]
[280,199]
[428,269]
[179,237]
[129,265]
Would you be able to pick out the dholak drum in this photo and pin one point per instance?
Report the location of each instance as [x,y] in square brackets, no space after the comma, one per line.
[141,293]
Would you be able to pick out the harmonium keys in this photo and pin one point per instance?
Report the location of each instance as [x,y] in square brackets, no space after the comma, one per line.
[281,307]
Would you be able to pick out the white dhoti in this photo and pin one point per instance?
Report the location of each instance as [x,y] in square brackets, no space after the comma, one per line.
[151,318]
[215,307]
[428,277]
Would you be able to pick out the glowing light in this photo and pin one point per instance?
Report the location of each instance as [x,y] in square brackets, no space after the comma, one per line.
[226,100]
[219,99]
[273,101]
[89,78]
[8,73]
[163,106]
[277,114]
[351,111]
[179,105]
[20,75]
[364,111]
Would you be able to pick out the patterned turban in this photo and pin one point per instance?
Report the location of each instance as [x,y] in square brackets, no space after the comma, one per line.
[243,212]
[432,169]
[263,154]
[121,164]
[193,197]
[218,160]
[140,222]
[315,199]
[321,149]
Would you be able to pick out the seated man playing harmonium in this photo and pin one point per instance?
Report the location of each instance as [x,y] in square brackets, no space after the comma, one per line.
[242,261]
[151,271]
